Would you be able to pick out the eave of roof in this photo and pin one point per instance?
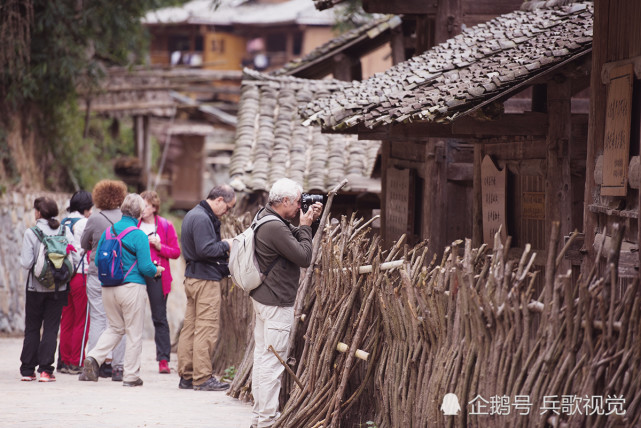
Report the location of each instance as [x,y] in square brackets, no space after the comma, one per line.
[355,39]
[451,78]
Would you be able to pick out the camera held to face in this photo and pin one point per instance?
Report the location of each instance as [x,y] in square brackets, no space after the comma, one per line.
[307,200]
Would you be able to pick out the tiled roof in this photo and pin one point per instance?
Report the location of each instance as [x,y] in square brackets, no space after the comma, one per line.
[241,12]
[370,30]
[271,142]
[462,72]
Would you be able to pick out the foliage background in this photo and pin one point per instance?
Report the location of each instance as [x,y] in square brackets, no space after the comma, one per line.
[50,52]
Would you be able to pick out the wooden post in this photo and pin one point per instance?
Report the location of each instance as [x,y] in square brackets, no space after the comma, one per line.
[397,44]
[448,20]
[558,182]
[385,155]
[345,67]
[435,206]
[477,200]
[139,137]
[595,128]
[146,160]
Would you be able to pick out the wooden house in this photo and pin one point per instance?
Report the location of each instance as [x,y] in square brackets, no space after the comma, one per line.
[139,97]
[612,172]
[272,143]
[428,23]
[464,150]
[354,55]
[262,34]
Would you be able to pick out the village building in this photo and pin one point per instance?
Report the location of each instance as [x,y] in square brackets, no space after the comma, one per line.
[612,162]
[485,130]
[263,35]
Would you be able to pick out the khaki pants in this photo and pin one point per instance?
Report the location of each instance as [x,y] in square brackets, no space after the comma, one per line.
[200,329]
[125,309]
[273,324]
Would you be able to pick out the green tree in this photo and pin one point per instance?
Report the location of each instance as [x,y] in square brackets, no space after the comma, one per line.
[50,49]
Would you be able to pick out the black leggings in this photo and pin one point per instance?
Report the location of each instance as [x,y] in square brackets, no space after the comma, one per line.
[158,304]
[41,310]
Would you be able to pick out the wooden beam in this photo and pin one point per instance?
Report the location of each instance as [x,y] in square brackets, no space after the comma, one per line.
[400,7]
[508,124]
[522,124]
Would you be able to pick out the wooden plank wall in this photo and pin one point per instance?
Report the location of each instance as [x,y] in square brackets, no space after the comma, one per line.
[616,37]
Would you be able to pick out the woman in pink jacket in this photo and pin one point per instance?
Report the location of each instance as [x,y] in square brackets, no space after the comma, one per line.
[163,243]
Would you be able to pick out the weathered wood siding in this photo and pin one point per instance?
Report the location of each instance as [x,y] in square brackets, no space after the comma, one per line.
[616,38]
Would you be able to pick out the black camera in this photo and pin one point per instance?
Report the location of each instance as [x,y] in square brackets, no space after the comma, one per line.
[307,200]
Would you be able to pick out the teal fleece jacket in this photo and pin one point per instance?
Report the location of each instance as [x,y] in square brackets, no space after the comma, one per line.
[136,241]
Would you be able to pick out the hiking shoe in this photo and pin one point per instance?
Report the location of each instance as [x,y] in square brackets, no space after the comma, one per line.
[116,374]
[89,370]
[71,369]
[105,370]
[163,366]
[28,378]
[137,382]
[211,384]
[185,383]
[62,368]
[47,377]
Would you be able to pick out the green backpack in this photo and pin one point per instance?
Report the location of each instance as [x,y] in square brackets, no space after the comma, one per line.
[53,266]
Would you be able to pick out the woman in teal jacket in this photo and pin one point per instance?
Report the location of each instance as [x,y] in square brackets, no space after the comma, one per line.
[125,303]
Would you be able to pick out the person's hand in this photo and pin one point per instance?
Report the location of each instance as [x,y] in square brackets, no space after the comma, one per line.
[317,208]
[159,270]
[155,241]
[307,218]
[229,242]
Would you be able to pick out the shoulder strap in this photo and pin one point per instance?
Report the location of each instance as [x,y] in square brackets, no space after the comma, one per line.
[122,235]
[36,231]
[103,214]
[62,230]
[255,225]
[70,222]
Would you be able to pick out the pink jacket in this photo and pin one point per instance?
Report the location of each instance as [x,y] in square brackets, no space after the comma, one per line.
[169,249]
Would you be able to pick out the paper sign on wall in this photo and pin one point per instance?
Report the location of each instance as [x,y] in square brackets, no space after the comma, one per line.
[493,184]
[616,140]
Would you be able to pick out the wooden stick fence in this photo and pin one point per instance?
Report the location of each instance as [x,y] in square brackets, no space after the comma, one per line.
[472,324]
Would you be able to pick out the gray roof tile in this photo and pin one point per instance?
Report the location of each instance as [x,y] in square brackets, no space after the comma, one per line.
[449,78]
[271,141]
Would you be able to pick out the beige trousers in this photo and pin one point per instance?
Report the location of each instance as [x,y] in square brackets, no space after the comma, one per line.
[125,309]
[273,324]
[199,334]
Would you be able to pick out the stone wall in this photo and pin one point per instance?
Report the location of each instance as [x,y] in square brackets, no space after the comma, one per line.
[16,216]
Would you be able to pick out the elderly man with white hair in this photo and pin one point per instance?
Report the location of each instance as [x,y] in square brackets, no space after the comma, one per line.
[281,250]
